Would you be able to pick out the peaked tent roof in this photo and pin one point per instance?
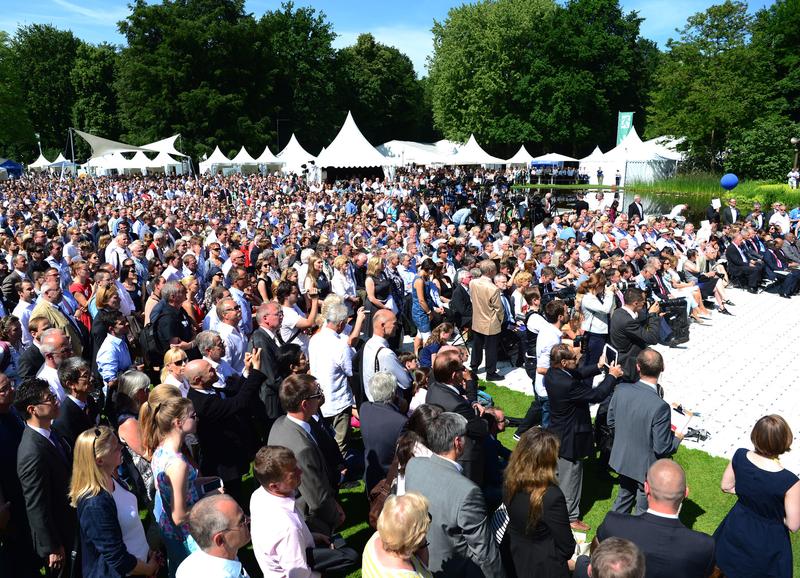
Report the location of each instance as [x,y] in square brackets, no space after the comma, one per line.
[407,152]
[61,161]
[40,163]
[632,149]
[554,158]
[164,159]
[267,158]
[595,156]
[350,149]
[523,157]
[166,145]
[243,158]
[102,146]
[140,161]
[472,154]
[293,156]
[216,158]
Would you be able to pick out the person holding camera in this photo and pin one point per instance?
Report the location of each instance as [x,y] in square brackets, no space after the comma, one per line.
[569,392]
[632,329]
[596,305]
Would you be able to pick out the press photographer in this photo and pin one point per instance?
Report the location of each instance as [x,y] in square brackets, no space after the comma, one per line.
[634,326]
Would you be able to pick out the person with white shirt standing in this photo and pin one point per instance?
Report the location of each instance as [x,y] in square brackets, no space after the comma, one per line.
[295,323]
[555,313]
[114,357]
[55,348]
[230,313]
[332,364]
[23,310]
[378,356]
[282,543]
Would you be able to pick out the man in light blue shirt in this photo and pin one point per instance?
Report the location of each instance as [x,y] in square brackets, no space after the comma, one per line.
[238,278]
[113,356]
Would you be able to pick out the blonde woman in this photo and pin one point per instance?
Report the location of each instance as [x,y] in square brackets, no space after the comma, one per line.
[173,373]
[192,308]
[343,284]
[379,288]
[112,537]
[399,548]
[166,420]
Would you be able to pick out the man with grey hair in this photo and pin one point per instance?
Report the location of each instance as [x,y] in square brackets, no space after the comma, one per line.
[171,324]
[220,528]
[461,303]
[55,349]
[229,313]
[156,249]
[212,347]
[382,421]
[460,542]
[331,359]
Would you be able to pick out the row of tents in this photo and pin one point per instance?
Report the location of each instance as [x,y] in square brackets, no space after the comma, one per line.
[636,160]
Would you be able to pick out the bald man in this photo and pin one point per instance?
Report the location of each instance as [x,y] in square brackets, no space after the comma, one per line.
[670,548]
[224,428]
[379,356]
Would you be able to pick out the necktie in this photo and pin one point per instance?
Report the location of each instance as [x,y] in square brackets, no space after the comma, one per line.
[56,441]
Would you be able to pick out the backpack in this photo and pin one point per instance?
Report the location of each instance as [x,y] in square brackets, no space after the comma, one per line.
[152,352]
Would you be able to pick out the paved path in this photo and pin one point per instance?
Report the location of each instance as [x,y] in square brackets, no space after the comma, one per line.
[732,371]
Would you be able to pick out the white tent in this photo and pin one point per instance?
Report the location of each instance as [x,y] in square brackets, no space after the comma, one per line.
[166,162]
[62,163]
[103,146]
[409,152]
[267,158]
[39,164]
[166,145]
[472,154]
[554,158]
[293,156]
[590,164]
[638,161]
[216,160]
[351,150]
[523,157]
[243,158]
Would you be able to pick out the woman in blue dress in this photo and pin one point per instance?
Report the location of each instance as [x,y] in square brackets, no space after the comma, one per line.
[422,303]
[753,539]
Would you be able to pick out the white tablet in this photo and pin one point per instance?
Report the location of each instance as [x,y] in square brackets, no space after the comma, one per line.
[611,355]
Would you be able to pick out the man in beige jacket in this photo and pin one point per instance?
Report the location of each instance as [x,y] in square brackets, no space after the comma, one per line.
[487,319]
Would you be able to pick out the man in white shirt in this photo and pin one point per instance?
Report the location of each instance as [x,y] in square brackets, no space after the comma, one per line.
[378,356]
[239,280]
[555,313]
[23,309]
[331,361]
[220,528]
[230,313]
[56,347]
[281,538]
[212,348]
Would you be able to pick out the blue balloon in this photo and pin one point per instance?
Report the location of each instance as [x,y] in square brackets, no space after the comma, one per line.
[729,181]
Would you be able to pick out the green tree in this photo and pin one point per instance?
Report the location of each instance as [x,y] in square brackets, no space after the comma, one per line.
[762,151]
[381,89]
[95,108]
[43,59]
[16,133]
[710,82]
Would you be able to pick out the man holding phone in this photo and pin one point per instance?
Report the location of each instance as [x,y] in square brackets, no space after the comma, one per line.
[569,391]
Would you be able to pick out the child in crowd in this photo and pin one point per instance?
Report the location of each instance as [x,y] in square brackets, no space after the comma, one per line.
[440,335]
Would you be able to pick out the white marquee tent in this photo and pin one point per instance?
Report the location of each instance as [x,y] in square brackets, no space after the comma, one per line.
[523,157]
[103,146]
[39,164]
[553,159]
[267,158]
[407,152]
[590,164]
[351,150]
[472,154]
[215,161]
[293,156]
[166,145]
[640,162]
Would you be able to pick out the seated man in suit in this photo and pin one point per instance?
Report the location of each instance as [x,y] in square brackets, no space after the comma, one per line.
[447,390]
[381,425]
[777,267]
[460,542]
[669,547]
[79,411]
[461,304]
[739,266]
[301,397]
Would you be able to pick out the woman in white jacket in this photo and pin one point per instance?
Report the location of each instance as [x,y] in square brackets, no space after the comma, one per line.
[596,304]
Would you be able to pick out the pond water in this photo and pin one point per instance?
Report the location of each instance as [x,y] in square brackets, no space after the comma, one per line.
[654,203]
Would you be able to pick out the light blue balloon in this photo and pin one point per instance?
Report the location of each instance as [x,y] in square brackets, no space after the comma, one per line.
[729,181]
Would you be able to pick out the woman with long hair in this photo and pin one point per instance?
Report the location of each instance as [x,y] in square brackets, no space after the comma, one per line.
[540,540]
[166,420]
[422,303]
[413,443]
[130,281]
[10,347]
[316,282]
[113,542]
[596,303]
[440,335]
[81,289]
[175,361]
[378,287]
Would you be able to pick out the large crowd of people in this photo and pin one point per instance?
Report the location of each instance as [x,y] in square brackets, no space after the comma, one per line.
[162,337]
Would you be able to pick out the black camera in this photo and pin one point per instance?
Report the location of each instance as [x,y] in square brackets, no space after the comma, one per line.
[581,341]
[679,303]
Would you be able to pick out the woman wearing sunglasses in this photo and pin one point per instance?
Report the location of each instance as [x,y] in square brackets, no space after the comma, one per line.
[174,364]
[113,542]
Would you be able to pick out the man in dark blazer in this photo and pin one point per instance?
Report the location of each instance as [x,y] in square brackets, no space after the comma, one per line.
[381,425]
[642,423]
[44,465]
[79,410]
[223,430]
[631,331]
[730,214]
[670,548]
[31,360]
[581,205]
[447,391]
[8,288]
[460,542]
[269,317]
[636,209]
[569,390]
[776,267]
[740,267]
[301,397]
[461,303]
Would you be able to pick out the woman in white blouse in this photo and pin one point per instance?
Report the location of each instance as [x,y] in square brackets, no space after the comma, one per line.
[174,364]
[597,303]
[344,285]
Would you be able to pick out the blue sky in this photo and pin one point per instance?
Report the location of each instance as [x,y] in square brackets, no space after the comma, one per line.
[405,24]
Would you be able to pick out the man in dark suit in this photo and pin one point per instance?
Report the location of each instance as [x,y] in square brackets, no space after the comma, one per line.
[460,542]
[461,303]
[447,391]
[381,425]
[301,397]
[581,204]
[636,209]
[642,423]
[670,548]
[570,420]
[631,330]
[730,214]
[223,431]
[31,360]
[10,295]
[269,317]
[777,267]
[739,266]
[44,464]
[79,411]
